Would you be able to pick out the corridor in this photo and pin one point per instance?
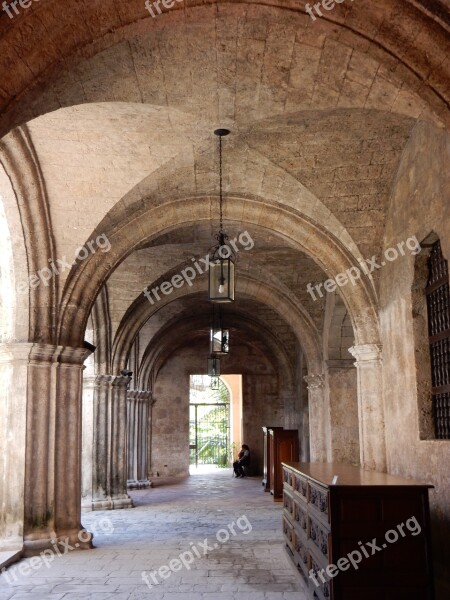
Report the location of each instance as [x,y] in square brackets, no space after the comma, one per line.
[169,521]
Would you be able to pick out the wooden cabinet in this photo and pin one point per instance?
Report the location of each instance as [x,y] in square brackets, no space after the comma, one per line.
[267,468]
[380,522]
[283,447]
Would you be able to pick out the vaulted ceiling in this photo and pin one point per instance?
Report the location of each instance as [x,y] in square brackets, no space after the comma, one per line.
[117,105]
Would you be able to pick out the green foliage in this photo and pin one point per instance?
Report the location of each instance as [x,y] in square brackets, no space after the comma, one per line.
[211,432]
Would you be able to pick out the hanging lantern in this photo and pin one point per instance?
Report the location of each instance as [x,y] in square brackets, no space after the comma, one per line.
[219,341]
[221,257]
[213,366]
[221,272]
[215,383]
[219,337]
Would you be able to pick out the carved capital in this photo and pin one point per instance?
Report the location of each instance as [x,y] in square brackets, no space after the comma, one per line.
[139,395]
[121,381]
[315,382]
[112,380]
[44,354]
[104,380]
[73,356]
[365,353]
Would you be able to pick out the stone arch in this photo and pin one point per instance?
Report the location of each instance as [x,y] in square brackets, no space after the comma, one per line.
[14,307]
[262,380]
[102,338]
[161,346]
[283,304]
[133,229]
[32,219]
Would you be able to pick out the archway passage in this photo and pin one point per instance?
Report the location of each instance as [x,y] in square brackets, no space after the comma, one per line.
[210,423]
[334,173]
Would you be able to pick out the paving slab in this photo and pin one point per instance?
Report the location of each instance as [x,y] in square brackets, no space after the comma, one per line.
[206,538]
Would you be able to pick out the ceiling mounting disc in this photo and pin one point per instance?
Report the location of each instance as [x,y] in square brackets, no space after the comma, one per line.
[221,132]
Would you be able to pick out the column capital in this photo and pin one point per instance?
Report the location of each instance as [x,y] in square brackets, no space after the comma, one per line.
[315,381]
[43,353]
[121,381]
[112,380]
[139,395]
[73,356]
[366,353]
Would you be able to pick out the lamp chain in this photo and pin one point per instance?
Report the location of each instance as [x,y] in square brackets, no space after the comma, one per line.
[220,185]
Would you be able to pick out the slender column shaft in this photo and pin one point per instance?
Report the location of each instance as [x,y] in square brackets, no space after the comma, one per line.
[318,418]
[118,456]
[106,452]
[40,484]
[152,402]
[138,438]
[370,406]
[131,401]
[68,420]
[14,360]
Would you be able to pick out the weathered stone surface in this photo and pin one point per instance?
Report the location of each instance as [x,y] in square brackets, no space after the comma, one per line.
[338,153]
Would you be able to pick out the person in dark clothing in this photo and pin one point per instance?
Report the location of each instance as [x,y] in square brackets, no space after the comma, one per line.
[242,461]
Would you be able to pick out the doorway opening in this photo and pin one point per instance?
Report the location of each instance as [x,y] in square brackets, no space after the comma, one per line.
[215,422]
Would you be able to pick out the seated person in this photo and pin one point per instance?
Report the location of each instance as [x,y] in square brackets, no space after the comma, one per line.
[242,461]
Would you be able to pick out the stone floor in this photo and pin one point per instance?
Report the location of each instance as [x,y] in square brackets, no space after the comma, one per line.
[243,558]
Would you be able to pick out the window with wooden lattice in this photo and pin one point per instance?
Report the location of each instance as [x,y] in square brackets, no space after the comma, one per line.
[438,307]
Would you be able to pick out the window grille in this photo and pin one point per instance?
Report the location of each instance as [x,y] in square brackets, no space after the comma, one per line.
[438,305]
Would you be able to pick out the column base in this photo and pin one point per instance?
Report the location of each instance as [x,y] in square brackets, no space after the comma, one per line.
[123,501]
[139,485]
[59,544]
[8,558]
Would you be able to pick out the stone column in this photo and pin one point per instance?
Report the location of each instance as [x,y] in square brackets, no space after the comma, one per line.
[342,399]
[370,406]
[89,431]
[119,463]
[96,441]
[68,419]
[132,404]
[142,440]
[106,453]
[53,449]
[40,444]
[151,404]
[138,438]
[14,360]
[318,418]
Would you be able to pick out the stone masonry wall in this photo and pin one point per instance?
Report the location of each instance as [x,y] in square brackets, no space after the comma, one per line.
[420,205]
